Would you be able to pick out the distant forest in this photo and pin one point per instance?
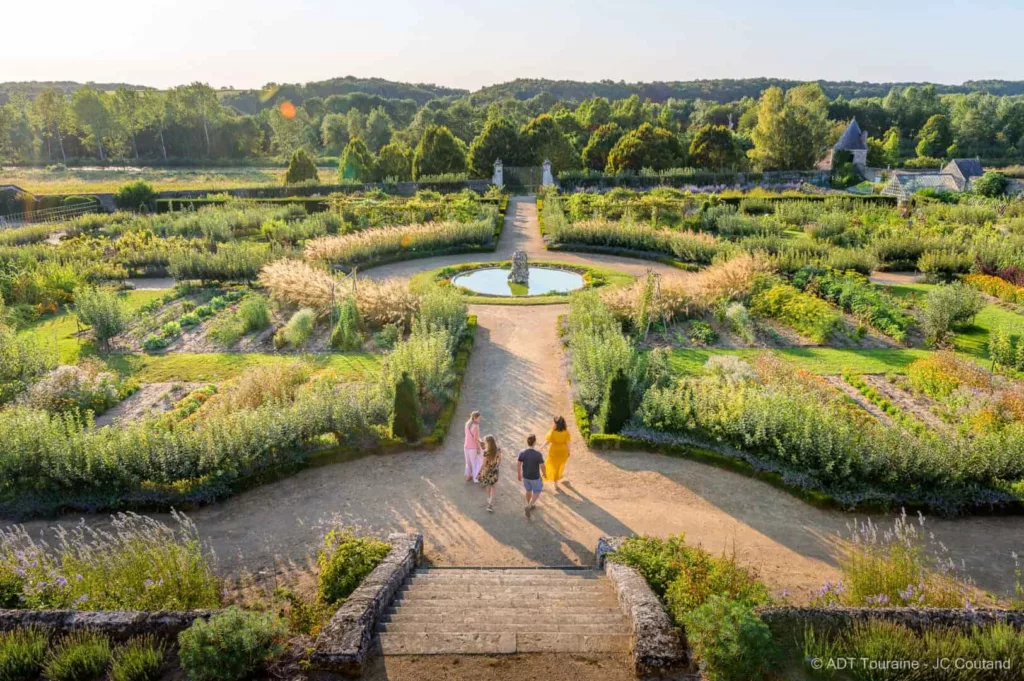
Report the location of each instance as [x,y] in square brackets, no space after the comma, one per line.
[377,126]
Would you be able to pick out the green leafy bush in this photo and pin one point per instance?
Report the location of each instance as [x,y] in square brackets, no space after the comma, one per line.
[701,333]
[140,659]
[230,646]
[992,184]
[134,195]
[944,265]
[730,642]
[344,560]
[805,313]
[856,295]
[254,313]
[102,310]
[406,423]
[80,656]
[22,652]
[948,308]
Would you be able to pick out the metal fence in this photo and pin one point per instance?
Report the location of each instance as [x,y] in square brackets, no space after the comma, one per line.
[46,215]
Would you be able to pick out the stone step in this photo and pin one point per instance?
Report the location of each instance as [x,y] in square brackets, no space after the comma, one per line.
[526,626]
[469,621]
[523,601]
[499,613]
[511,581]
[484,643]
[483,593]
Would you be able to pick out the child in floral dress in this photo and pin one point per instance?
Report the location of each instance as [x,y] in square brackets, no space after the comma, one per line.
[489,471]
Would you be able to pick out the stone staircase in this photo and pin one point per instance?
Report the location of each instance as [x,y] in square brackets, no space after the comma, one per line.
[466,611]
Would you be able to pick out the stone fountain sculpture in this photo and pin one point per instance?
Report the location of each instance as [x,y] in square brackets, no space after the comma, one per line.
[520,273]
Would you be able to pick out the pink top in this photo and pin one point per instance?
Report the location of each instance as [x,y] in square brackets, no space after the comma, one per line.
[472,436]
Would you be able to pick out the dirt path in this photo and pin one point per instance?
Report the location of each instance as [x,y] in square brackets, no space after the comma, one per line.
[515,379]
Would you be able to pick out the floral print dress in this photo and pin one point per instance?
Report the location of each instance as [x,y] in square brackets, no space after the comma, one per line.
[489,472]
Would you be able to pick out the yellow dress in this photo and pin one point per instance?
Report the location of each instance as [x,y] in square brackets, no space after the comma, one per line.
[558,454]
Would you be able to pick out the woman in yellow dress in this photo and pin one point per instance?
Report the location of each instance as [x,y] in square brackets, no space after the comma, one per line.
[558,451]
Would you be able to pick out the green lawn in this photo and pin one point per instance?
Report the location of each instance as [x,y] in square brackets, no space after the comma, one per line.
[815,360]
[59,330]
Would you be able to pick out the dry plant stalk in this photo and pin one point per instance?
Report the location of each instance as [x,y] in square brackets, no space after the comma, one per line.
[295,282]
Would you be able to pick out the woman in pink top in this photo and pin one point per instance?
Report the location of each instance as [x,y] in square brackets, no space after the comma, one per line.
[473,448]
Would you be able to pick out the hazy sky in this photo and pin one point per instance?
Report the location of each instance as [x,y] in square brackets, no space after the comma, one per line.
[470,44]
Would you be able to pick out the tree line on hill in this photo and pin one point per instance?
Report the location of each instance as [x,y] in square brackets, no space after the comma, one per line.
[430,130]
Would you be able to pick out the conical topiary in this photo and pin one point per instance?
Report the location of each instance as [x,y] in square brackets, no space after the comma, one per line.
[615,411]
[405,423]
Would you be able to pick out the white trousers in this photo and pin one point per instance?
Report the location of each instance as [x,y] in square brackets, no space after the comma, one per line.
[474,462]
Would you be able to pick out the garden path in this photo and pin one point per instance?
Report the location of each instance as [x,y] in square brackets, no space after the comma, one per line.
[515,377]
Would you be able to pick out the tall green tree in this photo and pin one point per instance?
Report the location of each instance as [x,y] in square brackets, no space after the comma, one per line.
[792,129]
[891,147]
[498,140]
[438,152]
[51,108]
[93,114]
[378,129]
[714,146]
[356,162]
[200,104]
[595,154]
[301,168]
[129,110]
[542,140]
[645,147]
[394,162]
[334,132]
[935,137]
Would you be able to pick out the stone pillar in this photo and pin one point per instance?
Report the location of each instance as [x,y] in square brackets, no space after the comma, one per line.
[497,179]
[546,179]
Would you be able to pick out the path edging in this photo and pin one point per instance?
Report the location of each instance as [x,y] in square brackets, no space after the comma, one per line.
[117,624]
[658,646]
[344,644]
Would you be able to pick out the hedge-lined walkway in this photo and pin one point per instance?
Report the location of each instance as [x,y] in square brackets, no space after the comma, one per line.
[517,380]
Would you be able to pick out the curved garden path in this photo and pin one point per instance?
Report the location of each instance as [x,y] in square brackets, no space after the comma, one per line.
[515,377]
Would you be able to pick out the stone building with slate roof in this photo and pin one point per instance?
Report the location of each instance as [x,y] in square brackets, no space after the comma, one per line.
[955,176]
[853,140]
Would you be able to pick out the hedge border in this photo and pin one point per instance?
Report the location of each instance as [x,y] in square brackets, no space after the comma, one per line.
[402,256]
[306,459]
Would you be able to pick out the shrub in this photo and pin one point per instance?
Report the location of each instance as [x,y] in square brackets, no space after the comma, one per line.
[856,295]
[950,307]
[254,313]
[301,168]
[140,659]
[805,313]
[894,568]
[272,384]
[387,337]
[599,349]
[345,335]
[992,184]
[299,329]
[139,564]
[22,653]
[344,560]
[996,287]
[134,195]
[943,265]
[79,656]
[69,388]
[406,423]
[442,309]
[230,646]
[852,260]
[940,374]
[103,311]
[730,642]
[701,333]
[615,409]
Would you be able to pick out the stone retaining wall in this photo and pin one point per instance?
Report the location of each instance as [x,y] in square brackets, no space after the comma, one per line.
[119,625]
[345,642]
[791,621]
[658,646]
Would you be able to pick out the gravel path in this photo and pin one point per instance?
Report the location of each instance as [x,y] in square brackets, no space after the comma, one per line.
[515,378]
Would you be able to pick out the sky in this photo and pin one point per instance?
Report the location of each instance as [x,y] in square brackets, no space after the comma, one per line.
[245,44]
